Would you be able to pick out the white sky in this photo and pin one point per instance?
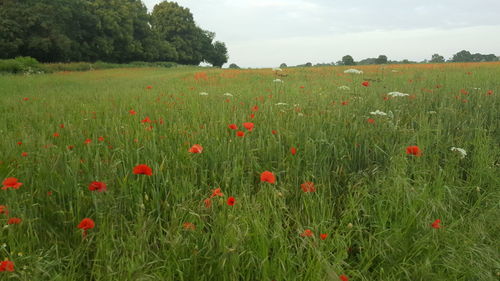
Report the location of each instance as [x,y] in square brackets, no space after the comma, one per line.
[266,33]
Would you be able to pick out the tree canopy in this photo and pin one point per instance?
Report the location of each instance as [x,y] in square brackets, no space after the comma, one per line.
[106,30]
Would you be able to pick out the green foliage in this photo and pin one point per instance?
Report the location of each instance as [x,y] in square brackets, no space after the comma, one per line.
[234,66]
[283,65]
[117,31]
[20,65]
[436,58]
[348,60]
[382,59]
[462,56]
[218,54]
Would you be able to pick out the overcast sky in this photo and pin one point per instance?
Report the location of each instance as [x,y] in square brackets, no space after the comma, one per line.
[266,33]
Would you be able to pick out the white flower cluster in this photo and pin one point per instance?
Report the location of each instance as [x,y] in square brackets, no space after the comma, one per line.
[378,112]
[344,88]
[278,81]
[228,95]
[397,94]
[461,151]
[353,71]
[277,69]
[203,94]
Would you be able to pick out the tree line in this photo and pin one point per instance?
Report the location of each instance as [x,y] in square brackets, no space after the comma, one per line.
[117,31]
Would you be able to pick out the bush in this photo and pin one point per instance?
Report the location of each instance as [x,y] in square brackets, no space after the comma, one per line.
[20,65]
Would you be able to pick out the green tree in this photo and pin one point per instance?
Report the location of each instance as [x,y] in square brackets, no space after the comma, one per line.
[283,65]
[462,56]
[348,60]
[234,66]
[217,55]
[382,59]
[436,58]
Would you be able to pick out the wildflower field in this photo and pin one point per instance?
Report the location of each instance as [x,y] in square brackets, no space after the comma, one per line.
[204,174]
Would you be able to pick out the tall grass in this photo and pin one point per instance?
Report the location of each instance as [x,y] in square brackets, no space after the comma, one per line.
[375,202]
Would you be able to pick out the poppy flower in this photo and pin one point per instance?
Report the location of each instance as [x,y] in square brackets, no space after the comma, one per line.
[188,226]
[97,186]
[436,224]
[101,139]
[86,224]
[143,169]
[146,120]
[231,201]
[307,233]
[56,135]
[274,132]
[149,87]
[413,150]
[208,203]
[24,154]
[323,236]
[232,127]
[216,192]
[267,176]
[308,187]
[7,266]
[240,134]
[490,92]
[25,99]
[12,183]
[293,150]
[132,112]
[252,116]
[248,125]
[70,147]
[255,108]
[365,83]
[61,126]
[371,121]
[19,143]
[344,277]
[14,221]
[196,149]
[3,210]
[87,141]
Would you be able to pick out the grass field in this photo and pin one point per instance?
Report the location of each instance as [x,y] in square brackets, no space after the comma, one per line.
[356,195]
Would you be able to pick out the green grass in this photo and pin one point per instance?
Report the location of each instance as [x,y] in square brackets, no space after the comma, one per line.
[375,202]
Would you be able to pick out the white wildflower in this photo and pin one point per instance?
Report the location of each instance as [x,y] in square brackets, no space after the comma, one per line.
[344,88]
[378,112]
[203,94]
[228,95]
[277,69]
[300,114]
[432,112]
[281,103]
[462,151]
[278,81]
[394,70]
[353,71]
[397,94]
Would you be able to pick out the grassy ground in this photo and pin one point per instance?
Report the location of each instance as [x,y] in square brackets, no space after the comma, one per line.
[375,202]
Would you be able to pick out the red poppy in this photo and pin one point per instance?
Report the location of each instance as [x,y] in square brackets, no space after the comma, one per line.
[413,150]
[3,210]
[146,120]
[231,201]
[302,87]
[19,143]
[248,125]
[143,169]
[371,121]
[436,224]
[11,183]
[61,126]
[149,87]
[14,221]
[56,135]
[345,102]
[490,92]
[240,134]
[86,224]
[87,141]
[293,150]
[25,99]
[7,266]
[307,233]
[208,203]
[232,127]
[217,192]
[196,149]
[274,132]
[132,112]
[267,176]
[70,147]
[97,186]
[101,139]
[323,236]
[24,154]
[344,277]
[188,226]
[255,108]
[252,116]
[365,83]
[308,187]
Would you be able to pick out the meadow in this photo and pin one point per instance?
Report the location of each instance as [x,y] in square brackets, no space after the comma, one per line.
[208,174]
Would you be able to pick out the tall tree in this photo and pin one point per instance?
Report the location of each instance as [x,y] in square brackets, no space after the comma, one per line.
[436,58]
[462,56]
[348,60]
[382,59]
[217,56]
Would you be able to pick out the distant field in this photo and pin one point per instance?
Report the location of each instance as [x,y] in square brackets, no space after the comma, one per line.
[360,184]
